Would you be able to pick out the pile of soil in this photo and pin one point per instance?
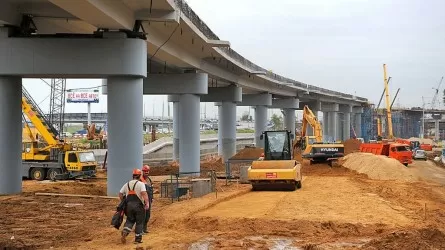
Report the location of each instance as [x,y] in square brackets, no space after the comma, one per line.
[352,146]
[248,153]
[377,167]
[210,163]
[92,187]
[426,238]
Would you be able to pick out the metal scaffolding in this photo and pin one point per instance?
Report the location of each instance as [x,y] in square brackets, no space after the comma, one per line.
[57,104]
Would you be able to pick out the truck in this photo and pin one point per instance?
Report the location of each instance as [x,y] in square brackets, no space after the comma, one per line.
[397,151]
[46,156]
[277,169]
[312,147]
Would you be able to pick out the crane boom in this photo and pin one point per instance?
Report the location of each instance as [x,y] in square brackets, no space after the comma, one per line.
[37,122]
[388,103]
[311,119]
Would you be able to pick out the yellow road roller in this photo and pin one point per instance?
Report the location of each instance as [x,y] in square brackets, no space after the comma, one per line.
[276,169]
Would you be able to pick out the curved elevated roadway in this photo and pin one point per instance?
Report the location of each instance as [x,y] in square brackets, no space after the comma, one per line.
[153,47]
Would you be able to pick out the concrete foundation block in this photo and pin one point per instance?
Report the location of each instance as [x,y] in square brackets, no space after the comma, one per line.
[243,175]
[201,187]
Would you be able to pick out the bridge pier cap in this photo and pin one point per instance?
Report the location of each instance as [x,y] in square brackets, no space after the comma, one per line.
[72,58]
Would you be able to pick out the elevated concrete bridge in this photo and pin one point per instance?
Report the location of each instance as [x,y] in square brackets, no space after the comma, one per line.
[145,47]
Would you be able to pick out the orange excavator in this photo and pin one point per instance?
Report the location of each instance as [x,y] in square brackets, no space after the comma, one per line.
[93,133]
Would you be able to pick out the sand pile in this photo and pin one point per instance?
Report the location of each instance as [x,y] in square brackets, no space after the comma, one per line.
[422,141]
[352,145]
[248,153]
[377,167]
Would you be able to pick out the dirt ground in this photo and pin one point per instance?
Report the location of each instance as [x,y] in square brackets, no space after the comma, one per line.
[336,208]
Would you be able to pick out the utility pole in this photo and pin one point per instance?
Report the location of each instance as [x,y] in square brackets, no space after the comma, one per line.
[423,119]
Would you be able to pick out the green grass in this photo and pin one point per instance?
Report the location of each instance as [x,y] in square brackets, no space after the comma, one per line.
[73,129]
[245,130]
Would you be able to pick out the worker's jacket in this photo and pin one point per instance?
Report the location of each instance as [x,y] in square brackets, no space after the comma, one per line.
[149,186]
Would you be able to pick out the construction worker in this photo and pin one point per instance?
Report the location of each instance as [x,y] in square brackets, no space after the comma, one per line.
[137,203]
[145,178]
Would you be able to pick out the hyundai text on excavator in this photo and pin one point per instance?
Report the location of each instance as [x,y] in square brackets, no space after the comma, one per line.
[277,170]
[51,158]
[312,148]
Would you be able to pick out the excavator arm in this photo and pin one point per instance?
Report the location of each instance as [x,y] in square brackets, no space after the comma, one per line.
[310,119]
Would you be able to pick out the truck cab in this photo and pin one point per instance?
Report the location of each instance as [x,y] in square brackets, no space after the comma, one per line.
[400,152]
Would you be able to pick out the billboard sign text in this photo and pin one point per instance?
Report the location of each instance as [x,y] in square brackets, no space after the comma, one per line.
[83,96]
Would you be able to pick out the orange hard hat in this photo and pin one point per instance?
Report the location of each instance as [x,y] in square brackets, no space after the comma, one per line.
[145,168]
[137,171]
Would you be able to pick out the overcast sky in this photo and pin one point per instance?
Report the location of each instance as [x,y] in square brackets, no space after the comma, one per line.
[339,45]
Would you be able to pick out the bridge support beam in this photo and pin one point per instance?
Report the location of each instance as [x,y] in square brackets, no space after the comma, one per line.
[10,135]
[125,115]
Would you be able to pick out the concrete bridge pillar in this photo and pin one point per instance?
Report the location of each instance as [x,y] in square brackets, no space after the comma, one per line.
[189,143]
[325,124]
[187,96]
[358,125]
[226,99]
[332,126]
[176,136]
[289,120]
[260,124]
[10,135]
[357,113]
[125,115]
[288,105]
[346,110]
[228,129]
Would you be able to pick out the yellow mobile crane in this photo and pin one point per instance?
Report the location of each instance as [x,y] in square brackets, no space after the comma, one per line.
[312,147]
[56,159]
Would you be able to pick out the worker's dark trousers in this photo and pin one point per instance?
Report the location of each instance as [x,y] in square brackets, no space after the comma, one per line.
[147,217]
[135,215]
[148,212]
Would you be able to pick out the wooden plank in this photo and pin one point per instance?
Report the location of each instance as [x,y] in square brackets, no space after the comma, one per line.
[76,195]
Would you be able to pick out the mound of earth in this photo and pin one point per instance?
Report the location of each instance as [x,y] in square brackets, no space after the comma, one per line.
[248,153]
[426,238]
[352,146]
[378,167]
